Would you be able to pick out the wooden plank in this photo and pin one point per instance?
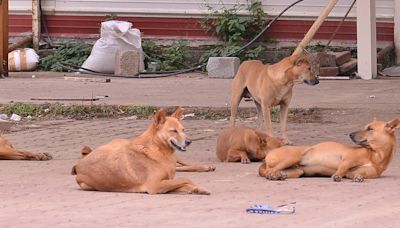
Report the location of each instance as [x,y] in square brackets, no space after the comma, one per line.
[348,67]
[334,78]
[328,71]
[342,57]
[20,43]
[3,37]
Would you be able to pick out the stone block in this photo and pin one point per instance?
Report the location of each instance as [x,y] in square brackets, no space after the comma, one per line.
[342,57]
[324,59]
[127,62]
[348,67]
[222,67]
[328,71]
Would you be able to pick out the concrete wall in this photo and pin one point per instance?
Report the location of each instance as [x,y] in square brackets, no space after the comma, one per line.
[188,8]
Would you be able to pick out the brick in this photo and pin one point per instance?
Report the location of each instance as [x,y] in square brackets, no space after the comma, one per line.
[127,62]
[328,71]
[342,57]
[222,67]
[324,59]
[348,67]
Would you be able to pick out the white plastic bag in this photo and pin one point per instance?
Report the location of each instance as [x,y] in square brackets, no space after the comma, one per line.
[22,60]
[114,35]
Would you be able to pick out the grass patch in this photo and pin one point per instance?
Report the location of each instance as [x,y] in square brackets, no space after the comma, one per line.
[81,112]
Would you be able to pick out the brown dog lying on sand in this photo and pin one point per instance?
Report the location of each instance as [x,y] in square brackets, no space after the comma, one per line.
[270,85]
[244,144]
[376,146]
[8,152]
[145,164]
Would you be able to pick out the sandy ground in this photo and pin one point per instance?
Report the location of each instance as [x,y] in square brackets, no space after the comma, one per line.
[44,194]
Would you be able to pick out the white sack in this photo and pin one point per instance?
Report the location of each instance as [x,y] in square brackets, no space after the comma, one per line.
[114,35]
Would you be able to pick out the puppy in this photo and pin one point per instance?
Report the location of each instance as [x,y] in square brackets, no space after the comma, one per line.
[244,144]
[376,144]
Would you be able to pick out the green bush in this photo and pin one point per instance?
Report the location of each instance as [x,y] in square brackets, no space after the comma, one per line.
[235,29]
[170,58]
[232,27]
[70,53]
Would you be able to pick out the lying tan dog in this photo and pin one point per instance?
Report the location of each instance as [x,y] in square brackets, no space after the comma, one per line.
[181,166]
[8,152]
[145,164]
[376,146]
[244,144]
[270,85]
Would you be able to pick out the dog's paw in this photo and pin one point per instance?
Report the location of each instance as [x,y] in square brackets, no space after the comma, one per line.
[336,178]
[201,191]
[286,141]
[358,178]
[277,176]
[283,176]
[245,161]
[210,168]
[43,157]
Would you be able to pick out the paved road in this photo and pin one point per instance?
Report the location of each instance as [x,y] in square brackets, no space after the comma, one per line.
[196,90]
[44,194]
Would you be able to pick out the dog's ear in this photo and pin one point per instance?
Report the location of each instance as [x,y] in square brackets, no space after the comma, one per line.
[178,113]
[85,151]
[393,124]
[159,117]
[263,141]
[298,59]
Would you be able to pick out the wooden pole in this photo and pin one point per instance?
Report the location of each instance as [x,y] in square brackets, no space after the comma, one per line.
[35,24]
[19,43]
[3,37]
[397,30]
[314,28]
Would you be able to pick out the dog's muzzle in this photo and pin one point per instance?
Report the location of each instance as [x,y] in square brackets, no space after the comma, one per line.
[357,141]
[181,148]
[313,81]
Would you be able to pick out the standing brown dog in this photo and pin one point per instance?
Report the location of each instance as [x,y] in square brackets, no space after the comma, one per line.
[8,152]
[376,146]
[244,144]
[144,164]
[270,85]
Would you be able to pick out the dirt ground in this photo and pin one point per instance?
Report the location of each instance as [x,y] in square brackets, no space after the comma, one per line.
[44,194]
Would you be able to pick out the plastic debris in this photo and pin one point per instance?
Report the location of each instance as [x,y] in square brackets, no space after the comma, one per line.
[267,209]
[15,117]
[134,117]
[188,115]
[3,117]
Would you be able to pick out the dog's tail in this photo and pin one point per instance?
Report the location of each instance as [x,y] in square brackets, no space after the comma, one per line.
[84,152]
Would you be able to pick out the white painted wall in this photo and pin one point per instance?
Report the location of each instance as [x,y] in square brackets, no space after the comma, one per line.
[189,8]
